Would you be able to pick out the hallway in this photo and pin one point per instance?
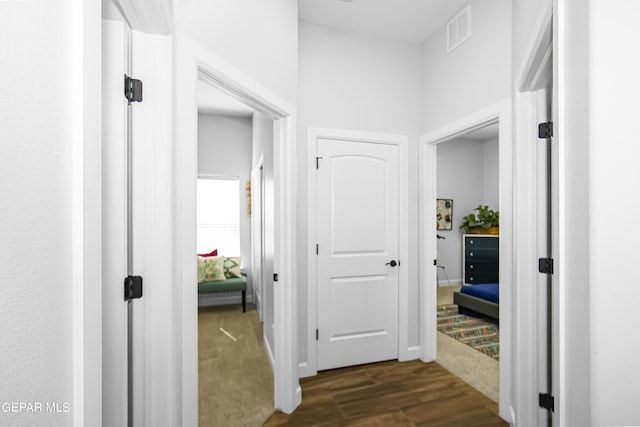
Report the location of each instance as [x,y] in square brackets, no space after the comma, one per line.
[390,393]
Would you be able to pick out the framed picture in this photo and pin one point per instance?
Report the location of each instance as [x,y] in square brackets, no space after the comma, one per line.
[444,214]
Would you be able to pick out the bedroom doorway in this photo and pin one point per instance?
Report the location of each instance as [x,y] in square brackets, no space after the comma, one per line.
[234,339]
[193,63]
[493,125]
[468,342]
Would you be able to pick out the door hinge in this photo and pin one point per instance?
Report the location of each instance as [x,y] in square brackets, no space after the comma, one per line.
[318,162]
[275,277]
[132,89]
[545,265]
[317,335]
[435,262]
[545,130]
[132,287]
[546,401]
[317,249]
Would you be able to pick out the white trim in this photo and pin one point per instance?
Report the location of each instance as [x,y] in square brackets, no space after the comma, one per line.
[428,294]
[412,353]
[309,368]
[538,53]
[525,274]
[500,113]
[194,62]
[86,212]
[219,177]
[451,282]
[151,17]
[257,276]
[267,346]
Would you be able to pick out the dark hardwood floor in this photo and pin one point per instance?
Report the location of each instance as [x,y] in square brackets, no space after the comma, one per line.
[390,394]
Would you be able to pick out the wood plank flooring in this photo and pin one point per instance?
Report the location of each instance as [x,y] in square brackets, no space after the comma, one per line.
[390,394]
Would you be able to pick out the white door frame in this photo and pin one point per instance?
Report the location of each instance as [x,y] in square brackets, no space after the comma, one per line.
[405,353]
[535,65]
[194,62]
[500,113]
[257,227]
[86,211]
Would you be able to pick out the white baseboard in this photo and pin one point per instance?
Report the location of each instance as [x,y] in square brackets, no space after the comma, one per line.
[222,299]
[411,353]
[304,370]
[454,282]
[267,347]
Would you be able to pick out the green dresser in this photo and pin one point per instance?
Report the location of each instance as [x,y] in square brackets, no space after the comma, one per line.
[480,258]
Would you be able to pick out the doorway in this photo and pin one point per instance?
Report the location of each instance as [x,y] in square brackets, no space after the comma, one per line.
[195,63]
[536,229]
[356,302]
[234,350]
[468,261]
[500,115]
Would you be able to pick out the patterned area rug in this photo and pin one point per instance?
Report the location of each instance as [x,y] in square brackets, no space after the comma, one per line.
[481,334]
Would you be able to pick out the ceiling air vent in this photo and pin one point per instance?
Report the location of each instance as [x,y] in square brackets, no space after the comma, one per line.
[459,29]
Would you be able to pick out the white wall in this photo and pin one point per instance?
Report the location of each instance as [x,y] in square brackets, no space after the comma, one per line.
[525,14]
[472,76]
[491,191]
[263,148]
[224,148]
[355,82]
[468,174]
[613,175]
[38,122]
[259,38]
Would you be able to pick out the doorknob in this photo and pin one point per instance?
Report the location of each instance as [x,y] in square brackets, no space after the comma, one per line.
[392,263]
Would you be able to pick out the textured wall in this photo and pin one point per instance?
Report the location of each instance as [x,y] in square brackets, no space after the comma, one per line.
[36,120]
[259,38]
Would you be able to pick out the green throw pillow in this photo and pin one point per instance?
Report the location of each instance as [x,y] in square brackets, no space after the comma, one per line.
[232,267]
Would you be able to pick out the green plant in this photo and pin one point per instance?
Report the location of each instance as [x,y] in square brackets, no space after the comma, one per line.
[485,218]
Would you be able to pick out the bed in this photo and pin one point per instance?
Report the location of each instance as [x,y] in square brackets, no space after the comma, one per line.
[478,300]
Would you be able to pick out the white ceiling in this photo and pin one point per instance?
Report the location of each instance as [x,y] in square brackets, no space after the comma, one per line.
[410,21]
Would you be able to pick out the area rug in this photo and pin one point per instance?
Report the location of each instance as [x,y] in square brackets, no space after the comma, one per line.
[478,333]
[235,377]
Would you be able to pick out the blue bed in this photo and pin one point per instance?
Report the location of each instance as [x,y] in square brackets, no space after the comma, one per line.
[478,300]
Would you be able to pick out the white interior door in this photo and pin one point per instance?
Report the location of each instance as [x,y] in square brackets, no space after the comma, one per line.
[544,250]
[114,224]
[136,211]
[257,234]
[358,238]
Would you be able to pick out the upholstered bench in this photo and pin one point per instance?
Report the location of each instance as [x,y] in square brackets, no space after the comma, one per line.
[233,284]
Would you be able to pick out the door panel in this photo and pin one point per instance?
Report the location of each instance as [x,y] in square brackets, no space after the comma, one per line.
[544,250]
[357,236]
[257,237]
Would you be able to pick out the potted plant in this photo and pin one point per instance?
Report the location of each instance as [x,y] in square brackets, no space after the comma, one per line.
[486,221]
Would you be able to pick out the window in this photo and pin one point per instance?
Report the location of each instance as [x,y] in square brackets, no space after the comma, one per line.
[218,215]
